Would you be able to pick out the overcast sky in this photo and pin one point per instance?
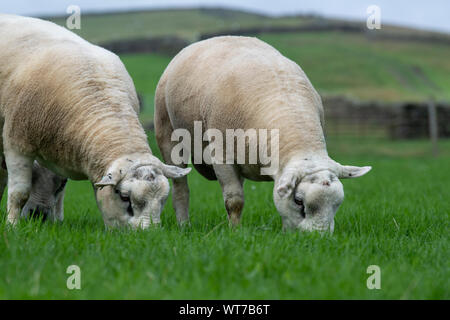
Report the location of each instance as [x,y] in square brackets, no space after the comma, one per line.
[432,14]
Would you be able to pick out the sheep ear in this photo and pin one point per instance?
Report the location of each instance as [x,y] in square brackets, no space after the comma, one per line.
[286,184]
[174,172]
[353,172]
[106,181]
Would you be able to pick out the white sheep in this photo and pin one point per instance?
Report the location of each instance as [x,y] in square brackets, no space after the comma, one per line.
[243,83]
[46,198]
[71,106]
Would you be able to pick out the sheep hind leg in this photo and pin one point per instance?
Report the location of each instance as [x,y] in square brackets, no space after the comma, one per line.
[20,170]
[232,190]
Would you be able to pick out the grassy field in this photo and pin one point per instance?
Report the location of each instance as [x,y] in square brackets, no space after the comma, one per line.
[396,217]
[354,65]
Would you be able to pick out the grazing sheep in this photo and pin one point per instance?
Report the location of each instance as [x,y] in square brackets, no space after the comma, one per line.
[47,195]
[243,83]
[71,106]
[47,192]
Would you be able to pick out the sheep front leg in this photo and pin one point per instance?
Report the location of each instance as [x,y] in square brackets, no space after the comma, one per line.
[3,177]
[180,192]
[232,190]
[20,170]
[180,197]
[59,212]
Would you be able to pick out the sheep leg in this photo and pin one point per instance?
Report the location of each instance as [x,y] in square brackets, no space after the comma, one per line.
[3,177]
[180,190]
[3,170]
[20,170]
[59,210]
[180,199]
[232,190]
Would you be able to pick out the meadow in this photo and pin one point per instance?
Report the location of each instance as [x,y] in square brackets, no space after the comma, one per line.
[396,217]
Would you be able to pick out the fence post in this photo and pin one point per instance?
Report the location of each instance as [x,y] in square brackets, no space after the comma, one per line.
[433,126]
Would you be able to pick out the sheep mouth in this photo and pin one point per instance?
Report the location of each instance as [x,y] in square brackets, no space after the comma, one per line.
[37,213]
[316,225]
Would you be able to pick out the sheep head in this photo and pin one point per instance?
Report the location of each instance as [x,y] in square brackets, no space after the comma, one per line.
[133,191]
[308,193]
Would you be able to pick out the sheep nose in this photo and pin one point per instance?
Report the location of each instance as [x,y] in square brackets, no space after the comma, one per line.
[326,183]
[38,212]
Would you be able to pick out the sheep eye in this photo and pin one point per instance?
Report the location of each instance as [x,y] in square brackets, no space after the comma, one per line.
[298,202]
[124,198]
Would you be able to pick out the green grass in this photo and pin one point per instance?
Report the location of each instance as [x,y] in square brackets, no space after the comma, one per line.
[354,65]
[146,69]
[395,217]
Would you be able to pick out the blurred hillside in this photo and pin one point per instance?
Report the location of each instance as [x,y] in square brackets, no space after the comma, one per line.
[391,64]
[188,24]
